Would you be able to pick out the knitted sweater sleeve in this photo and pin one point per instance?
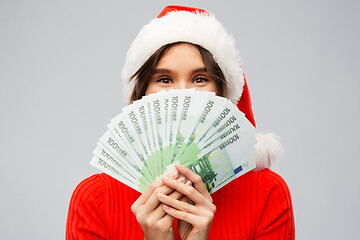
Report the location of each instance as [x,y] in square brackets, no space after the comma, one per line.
[87,211]
[277,218]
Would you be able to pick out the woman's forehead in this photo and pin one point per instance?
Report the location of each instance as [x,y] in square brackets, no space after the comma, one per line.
[183,55]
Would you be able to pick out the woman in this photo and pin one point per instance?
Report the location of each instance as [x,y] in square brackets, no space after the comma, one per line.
[186,48]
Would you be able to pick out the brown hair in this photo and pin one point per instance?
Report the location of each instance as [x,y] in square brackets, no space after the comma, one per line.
[143,75]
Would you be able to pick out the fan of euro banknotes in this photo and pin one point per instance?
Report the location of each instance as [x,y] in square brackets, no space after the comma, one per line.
[196,129]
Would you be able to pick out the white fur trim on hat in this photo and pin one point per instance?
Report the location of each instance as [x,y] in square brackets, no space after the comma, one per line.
[204,30]
[268,149]
[197,28]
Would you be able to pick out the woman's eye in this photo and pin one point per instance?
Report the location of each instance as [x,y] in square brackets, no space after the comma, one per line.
[164,80]
[200,80]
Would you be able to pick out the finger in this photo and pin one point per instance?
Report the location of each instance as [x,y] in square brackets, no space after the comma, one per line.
[195,179]
[159,212]
[173,174]
[184,199]
[185,189]
[153,200]
[145,196]
[148,192]
[166,219]
[187,217]
[176,195]
[179,205]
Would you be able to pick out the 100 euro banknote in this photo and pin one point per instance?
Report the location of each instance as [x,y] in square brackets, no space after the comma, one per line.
[199,130]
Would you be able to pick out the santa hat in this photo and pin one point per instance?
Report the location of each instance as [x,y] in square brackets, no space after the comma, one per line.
[193,25]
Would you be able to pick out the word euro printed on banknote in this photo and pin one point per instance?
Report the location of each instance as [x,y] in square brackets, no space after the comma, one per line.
[199,130]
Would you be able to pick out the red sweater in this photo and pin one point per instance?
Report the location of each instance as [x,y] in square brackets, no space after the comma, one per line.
[256,205]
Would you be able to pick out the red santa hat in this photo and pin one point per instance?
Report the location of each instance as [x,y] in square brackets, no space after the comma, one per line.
[193,25]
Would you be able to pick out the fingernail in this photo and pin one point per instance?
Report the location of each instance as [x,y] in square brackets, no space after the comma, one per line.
[179,166]
[188,182]
[162,196]
[173,174]
[166,179]
[166,207]
[181,179]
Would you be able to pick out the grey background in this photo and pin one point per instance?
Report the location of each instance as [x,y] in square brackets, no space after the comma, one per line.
[60,64]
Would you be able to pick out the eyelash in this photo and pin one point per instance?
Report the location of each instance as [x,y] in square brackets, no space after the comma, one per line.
[168,80]
[203,79]
[161,80]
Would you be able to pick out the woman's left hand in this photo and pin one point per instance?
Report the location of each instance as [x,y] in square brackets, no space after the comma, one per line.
[196,218]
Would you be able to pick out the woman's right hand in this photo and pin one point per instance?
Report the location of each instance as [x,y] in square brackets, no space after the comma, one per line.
[149,212]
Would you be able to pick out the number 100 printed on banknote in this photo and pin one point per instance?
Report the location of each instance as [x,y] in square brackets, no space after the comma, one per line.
[199,130]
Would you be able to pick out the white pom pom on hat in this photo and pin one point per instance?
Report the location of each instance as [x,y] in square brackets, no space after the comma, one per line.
[193,25]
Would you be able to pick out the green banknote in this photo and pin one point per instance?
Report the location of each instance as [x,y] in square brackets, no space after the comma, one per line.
[199,130]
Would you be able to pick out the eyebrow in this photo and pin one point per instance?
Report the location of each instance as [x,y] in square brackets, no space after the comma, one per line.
[165,70]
